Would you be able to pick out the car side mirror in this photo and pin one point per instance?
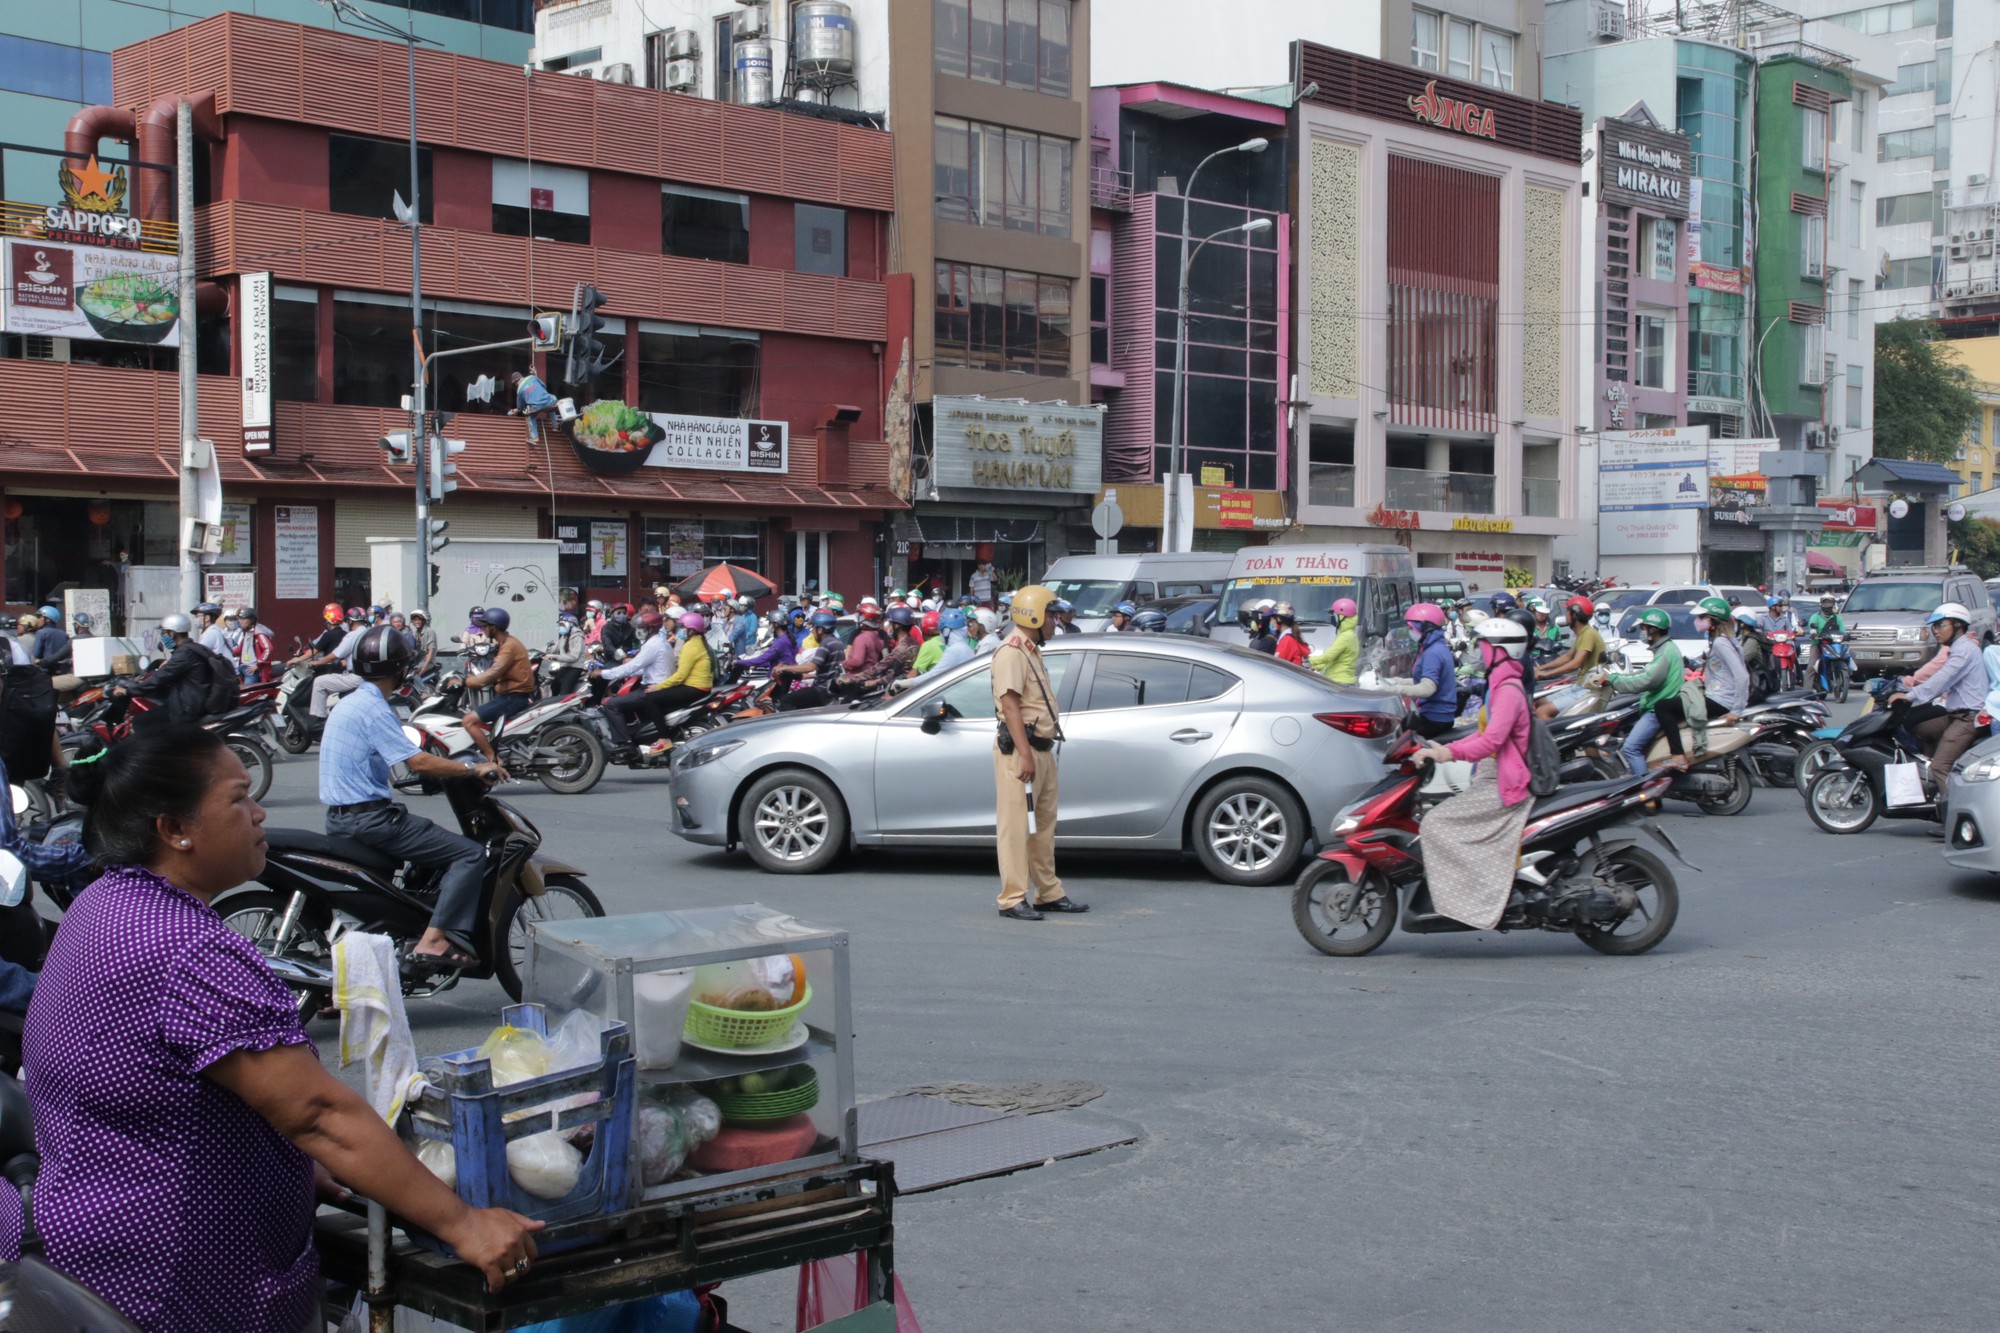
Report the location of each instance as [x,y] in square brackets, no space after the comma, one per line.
[934,718]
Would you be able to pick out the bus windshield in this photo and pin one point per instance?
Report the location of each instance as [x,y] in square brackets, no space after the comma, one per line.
[1312,594]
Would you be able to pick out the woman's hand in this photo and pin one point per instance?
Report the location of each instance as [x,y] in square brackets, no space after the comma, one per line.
[498,1243]
[1437,754]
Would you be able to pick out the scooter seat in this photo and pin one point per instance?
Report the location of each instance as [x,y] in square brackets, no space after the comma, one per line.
[1574,794]
[320,844]
[1780,697]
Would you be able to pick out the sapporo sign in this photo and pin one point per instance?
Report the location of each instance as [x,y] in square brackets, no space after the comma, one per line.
[988,445]
[86,268]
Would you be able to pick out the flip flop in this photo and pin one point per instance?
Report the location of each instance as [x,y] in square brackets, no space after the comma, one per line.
[453,959]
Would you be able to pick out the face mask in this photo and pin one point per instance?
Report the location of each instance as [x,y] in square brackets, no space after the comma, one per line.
[1489,656]
[1702,623]
[1454,615]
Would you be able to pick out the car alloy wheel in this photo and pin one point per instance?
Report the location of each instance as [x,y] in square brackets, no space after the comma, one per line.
[1248,832]
[791,823]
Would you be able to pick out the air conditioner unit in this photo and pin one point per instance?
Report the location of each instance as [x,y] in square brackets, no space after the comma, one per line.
[752,21]
[1815,437]
[1813,268]
[1957,250]
[619,73]
[1982,287]
[1957,238]
[683,44]
[682,75]
[1953,292]
[1976,178]
[1608,20]
[1982,249]
[1986,235]
[1832,436]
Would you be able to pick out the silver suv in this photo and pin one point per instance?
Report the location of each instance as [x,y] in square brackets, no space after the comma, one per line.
[1885,613]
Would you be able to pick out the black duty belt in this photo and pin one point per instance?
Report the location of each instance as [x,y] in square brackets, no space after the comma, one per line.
[357,807]
[1005,740]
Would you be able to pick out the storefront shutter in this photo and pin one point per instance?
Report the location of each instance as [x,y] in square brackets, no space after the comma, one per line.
[356,520]
[1222,541]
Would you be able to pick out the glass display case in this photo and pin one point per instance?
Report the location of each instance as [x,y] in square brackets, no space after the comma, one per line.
[748,1006]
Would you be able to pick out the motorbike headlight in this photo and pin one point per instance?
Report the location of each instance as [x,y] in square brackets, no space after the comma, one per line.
[1980,770]
[709,754]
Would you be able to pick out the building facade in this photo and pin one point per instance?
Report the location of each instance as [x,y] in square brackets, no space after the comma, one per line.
[704,226]
[1438,241]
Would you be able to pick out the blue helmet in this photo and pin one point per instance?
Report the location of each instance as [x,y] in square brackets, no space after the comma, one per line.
[49,613]
[565,617]
[951,620]
[1124,609]
[824,620]
[968,600]
[496,617]
[1503,602]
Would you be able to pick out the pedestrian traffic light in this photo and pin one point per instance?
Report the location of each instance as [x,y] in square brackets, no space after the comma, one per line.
[396,444]
[548,332]
[437,577]
[434,534]
[586,354]
[442,469]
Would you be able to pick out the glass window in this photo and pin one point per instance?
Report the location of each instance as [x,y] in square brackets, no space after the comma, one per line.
[949,32]
[1100,320]
[1496,59]
[1896,209]
[1812,365]
[1023,43]
[819,240]
[995,319]
[1857,200]
[705,224]
[1812,245]
[371,353]
[740,541]
[540,199]
[699,372]
[1659,248]
[952,171]
[1125,680]
[1458,52]
[723,50]
[295,344]
[1900,144]
[1857,121]
[364,176]
[1941,143]
[988,40]
[1426,39]
[574,59]
[1055,60]
[49,69]
[1854,387]
[1853,308]
[969,698]
[1910,272]
[1053,217]
[1207,682]
[1651,336]
[1812,138]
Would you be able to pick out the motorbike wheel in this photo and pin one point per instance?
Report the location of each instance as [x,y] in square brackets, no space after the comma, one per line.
[293,738]
[255,914]
[1647,876]
[256,759]
[1338,917]
[1812,758]
[1738,799]
[1843,800]
[568,899]
[582,762]
[1839,690]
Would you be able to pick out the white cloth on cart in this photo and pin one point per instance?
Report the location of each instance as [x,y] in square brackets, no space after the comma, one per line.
[368,989]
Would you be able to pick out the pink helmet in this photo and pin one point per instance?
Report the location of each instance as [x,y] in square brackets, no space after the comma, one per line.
[1345,608]
[1426,613]
[694,622]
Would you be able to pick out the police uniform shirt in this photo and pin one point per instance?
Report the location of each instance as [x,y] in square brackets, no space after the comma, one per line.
[1020,671]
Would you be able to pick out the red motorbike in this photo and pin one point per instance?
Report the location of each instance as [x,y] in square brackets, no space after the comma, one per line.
[1785,658]
[240,728]
[1583,871]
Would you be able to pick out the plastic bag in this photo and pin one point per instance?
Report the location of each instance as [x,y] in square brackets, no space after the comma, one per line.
[544,1165]
[439,1157]
[671,1125]
[751,985]
[701,1119]
[516,1054]
[577,1042]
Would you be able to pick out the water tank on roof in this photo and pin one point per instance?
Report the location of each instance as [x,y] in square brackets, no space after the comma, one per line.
[823,35]
[753,73]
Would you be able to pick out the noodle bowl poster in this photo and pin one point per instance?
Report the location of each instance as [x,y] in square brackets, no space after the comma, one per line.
[86,291]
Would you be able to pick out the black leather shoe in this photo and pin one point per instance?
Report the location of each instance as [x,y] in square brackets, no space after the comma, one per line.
[1021,912]
[1063,904]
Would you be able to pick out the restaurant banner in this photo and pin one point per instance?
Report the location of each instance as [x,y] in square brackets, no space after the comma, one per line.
[90,292]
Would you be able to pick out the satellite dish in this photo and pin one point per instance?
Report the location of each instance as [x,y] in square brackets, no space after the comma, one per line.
[1899,508]
[1956,513]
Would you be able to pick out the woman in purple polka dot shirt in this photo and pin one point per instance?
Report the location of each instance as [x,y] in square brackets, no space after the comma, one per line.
[182,1116]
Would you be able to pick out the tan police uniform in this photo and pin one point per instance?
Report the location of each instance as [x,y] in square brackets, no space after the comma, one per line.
[1025,857]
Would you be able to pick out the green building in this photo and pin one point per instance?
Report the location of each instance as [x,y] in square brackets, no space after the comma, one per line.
[55,55]
[1799,372]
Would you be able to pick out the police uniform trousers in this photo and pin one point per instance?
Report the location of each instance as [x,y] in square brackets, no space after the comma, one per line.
[1025,858]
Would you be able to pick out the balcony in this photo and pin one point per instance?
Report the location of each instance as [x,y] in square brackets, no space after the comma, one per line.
[1541,497]
[1441,492]
[1330,484]
[1110,188]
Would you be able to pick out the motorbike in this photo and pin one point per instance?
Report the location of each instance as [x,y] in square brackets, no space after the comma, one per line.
[1717,781]
[547,740]
[1785,659]
[314,887]
[245,729]
[714,709]
[1836,666]
[1787,727]
[1584,869]
[1850,790]
[33,1294]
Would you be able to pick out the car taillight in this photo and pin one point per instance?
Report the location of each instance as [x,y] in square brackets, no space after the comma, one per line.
[1368,726]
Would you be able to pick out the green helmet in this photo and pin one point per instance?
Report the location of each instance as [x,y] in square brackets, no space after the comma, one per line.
[1715,608]
[1654,617]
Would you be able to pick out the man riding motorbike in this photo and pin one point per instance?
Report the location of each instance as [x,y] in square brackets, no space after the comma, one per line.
[511,678]
[1824,621]
[1434,678]
[819,664]
[1781,619]
[182,681]
[1663,693]
[618,638]
[1756,651]
[1261,638]
[932,649]
[1584,653]
[1944,710]
[209,630]
[652,664]
[901,653]
[1121,618]
[1341,660]
[1725,679]
[564,658]
[783,650]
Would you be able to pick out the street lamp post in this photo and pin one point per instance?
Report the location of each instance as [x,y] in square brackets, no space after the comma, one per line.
[1170,523]
[1172,530]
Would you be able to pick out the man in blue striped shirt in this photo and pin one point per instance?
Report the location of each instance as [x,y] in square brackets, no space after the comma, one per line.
[1944,710]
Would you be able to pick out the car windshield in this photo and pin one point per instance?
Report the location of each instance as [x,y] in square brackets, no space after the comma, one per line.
[1624,597]
[1312,594]
[1681,616]
[1092,598]
[1891,596]
[1188,619]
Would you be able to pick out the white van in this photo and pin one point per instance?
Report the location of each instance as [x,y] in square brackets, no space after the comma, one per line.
[1440,586]
[1093,584]
[1380,579]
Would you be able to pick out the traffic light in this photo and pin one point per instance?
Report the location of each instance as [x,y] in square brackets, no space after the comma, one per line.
[396,444]
[547,331]
[437,541]
[437,577]
[442,469]
[586,354]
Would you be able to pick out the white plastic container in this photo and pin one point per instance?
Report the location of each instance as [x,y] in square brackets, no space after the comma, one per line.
[659,1012]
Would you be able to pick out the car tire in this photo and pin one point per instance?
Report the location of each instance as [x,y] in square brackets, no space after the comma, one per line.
[1248,830]
[792,822]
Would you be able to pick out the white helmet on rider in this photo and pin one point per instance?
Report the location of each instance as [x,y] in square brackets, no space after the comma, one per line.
[1505,635]
[1952,611]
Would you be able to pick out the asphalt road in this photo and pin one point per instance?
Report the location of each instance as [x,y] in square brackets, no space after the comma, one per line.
[1780,1119]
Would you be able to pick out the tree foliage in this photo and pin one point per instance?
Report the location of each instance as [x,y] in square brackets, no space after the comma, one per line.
[1976,542]
[1923,400]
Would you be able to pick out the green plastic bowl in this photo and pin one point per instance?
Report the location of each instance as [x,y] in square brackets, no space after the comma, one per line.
[757,1108]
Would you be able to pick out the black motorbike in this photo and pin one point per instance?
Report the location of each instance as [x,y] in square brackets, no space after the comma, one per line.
[34,1296]
[315,887]
[1851,789]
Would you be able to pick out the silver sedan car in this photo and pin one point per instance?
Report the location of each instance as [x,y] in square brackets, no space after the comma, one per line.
[1171,744]
[1972,809]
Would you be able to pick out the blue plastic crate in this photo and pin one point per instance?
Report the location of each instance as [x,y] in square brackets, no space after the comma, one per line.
[463,1107]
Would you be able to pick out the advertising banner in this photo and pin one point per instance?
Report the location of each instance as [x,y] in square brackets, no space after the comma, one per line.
[295,531]
[1008,448]
[255,293]
[607,548]
[1650,532]
[721,444]
[232,592]
[91,292]
[235,535]
[1652,487]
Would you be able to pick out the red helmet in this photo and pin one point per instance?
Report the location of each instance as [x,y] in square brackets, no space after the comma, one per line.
[1581,606]
[869,613]
[1425,613]
[331,613]
[357,613]
[930,621]
[648,620]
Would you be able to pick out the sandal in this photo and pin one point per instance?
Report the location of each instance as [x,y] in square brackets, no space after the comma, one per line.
[453,959]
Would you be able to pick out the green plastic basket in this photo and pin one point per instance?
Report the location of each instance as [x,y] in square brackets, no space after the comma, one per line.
[758,1108]
[741,1027]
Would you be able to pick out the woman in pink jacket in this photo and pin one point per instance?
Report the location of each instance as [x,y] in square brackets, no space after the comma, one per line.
[1472,841]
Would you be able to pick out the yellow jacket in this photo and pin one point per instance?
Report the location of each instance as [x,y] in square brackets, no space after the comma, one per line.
[695,666]
[1341,662]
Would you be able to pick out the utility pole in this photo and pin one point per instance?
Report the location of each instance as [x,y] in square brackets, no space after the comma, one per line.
[189,385]
[419,434]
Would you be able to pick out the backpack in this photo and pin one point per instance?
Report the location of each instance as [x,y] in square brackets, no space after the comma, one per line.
[225,689]
[27,723]
[1544,759]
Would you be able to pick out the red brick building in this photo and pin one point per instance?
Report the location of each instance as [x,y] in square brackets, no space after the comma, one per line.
[744,252]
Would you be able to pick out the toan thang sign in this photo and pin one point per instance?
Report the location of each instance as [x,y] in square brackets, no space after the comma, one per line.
[1000,446]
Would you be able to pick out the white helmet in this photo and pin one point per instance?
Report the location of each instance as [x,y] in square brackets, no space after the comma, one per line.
[1951,611]
[1505,635]
[989,619]
[176,623]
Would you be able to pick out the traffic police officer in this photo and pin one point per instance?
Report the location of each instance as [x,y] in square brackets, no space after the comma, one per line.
[1024,763]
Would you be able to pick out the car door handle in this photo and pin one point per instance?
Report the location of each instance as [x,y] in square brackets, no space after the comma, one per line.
[1188,736]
